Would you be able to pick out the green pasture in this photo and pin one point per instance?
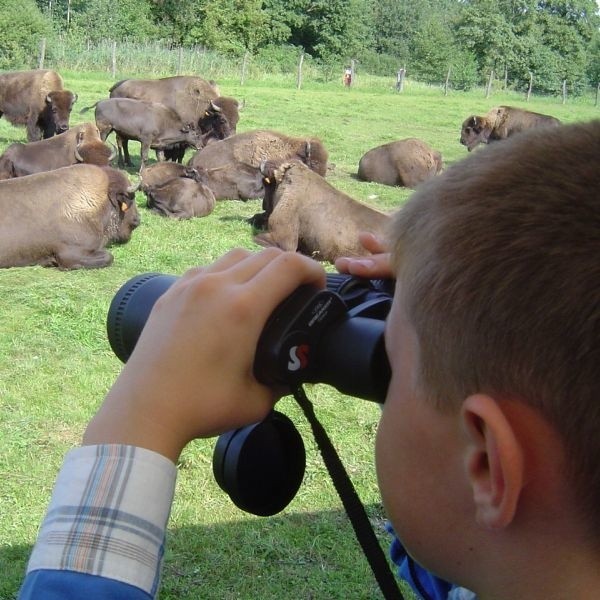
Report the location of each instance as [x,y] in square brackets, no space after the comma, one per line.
[56,364]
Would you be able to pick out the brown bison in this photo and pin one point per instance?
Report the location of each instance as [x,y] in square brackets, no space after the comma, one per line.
[500,123]
[79,144]
[404,162]
[233,164]
[190,97]
[153,124]
[306,213]
[65,218]
[173,190]
[38,100]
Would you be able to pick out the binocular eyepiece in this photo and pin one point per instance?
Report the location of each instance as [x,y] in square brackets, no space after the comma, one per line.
[332,335]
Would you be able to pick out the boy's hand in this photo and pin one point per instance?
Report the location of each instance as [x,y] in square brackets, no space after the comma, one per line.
[191,373]
[376,266]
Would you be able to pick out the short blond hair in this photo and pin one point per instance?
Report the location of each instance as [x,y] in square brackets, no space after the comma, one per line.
[499,263]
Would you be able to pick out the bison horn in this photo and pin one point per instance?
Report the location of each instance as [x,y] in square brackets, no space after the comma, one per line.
[215,107]
[307,150]
[78,156]
[113,152]
[132,189]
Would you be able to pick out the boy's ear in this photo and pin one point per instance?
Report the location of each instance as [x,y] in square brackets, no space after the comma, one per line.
[493,461]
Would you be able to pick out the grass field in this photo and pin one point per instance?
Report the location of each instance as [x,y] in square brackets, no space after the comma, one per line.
[56,364]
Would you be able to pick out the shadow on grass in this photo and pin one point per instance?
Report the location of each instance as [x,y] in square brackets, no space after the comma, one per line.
[295,555]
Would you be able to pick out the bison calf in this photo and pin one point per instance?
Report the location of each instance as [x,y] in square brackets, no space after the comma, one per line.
[304,212]
[175,191]
[404,162]
[65,218]
[500,123]
[37,100]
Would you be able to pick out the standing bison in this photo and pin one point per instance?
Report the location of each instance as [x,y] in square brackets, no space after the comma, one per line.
[79,144]
[38,100]
[153,124]
[65,218]
[404,162]
[233,164]
[306,213]
[190,97]
[500,123]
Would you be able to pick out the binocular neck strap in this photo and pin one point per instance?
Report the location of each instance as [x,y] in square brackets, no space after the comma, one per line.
[352,504]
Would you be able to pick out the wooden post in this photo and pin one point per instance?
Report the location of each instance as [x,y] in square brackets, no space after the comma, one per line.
[42,54]
[505,77]
[299,76]
[113,62]
[446,82]
[352,73]
[400,79]
[488,88]
[244,66]
[597,93]
[179,60]
[564,91]
[530,86]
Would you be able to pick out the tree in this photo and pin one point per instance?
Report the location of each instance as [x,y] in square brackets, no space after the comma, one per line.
[22,26]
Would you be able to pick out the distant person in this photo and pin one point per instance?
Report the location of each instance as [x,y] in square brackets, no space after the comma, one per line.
[487,453]
[347,76]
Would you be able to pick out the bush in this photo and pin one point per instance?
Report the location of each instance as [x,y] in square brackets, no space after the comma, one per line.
[22,27]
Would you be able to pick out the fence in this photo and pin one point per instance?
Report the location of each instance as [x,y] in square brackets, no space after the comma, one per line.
[157,59]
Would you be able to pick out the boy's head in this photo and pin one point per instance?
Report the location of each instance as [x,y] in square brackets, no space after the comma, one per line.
[498,266]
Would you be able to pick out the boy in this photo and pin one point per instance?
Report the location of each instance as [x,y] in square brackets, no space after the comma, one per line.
[488,453]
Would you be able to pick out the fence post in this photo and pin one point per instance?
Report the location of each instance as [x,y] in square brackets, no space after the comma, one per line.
[446,82]
[352,69]
[179,60]
[113,60]
[244,64]
[488,88]
[400,79]
[42,54]
[299,76]
[564,91]
[597,93]
[530,86]
[505,77]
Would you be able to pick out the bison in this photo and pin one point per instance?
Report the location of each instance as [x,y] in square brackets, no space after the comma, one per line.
[65,218]
[38,100]
[405,162]
[174,190]
[190,97]
[79,144]
[500,123]
[153,124]
[306,213]
[233,164]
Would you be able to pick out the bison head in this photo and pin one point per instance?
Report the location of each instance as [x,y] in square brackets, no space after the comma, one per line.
[58,109]
[214,123]
[475,130]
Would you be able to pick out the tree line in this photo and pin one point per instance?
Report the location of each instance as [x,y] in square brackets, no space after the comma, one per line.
[555,42]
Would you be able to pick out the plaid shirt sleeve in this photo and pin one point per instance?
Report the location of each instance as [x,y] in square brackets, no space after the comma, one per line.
[108,515]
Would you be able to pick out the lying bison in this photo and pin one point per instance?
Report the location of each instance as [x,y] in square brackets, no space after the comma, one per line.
[233,164]
[304,212]
[500,123]
[38,100]
[65,218]
[175,191]
[404,162]
[153,124]
[79,144]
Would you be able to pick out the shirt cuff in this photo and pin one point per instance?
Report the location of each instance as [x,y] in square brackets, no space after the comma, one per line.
[108,515]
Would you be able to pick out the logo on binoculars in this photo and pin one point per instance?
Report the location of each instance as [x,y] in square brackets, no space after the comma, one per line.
[298,357]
